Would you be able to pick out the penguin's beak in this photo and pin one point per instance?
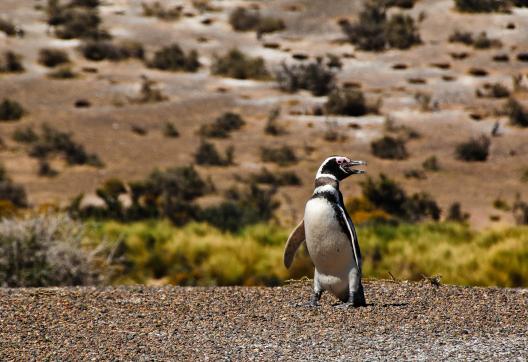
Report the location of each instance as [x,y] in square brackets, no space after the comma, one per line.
[349,167]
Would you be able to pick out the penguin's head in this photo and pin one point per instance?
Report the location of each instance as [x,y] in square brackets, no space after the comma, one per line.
[339,168]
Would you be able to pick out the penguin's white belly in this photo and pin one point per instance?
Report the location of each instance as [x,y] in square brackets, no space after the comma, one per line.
[329,247]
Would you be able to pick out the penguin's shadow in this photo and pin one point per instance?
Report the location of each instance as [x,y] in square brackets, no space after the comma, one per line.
[379,305]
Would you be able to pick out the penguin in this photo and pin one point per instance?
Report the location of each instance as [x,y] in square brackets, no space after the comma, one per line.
[330,236]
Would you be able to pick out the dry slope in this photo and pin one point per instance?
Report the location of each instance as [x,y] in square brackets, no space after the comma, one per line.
[402,321]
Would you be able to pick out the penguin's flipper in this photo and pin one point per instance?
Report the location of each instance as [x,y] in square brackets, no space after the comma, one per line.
[295,240]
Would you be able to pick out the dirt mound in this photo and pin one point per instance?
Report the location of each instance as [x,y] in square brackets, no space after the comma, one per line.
[402,321]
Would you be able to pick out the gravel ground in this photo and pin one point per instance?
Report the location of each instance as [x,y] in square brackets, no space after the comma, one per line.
[403,321]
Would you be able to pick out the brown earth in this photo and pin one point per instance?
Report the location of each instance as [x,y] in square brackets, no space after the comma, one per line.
[194,99]
[403,321]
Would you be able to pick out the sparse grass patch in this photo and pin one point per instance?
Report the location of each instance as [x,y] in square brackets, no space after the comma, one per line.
[242,19]
[11,62]
[236,64]
[222,126]
[475,149]
[170,130]
[149,92]
[431,164]
[495,90]
[172,58]
[25,135]
[517,113]
[388,147]
[350,102]
[276,178]
[10,110]
[11,192]
[64,72]
[157,10]
[208,155]
[98,50]
[283,156]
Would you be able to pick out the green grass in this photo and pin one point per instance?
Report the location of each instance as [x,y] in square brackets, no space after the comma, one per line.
[198,254]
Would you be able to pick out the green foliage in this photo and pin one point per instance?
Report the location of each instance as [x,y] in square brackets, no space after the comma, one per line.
[475,149]
[11,63]
[46,251]
[517,113]
[481,6]
[10,110]
[159,11]
[52,57]
[98,50]
[207,154]
[316,77]
[373,32]
[283,156]
[172,58]
[388,147]
[236,64]
[350,102]
[11,192]
[385,194]
[222,126]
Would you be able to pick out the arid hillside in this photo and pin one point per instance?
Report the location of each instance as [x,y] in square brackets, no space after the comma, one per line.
[136,116]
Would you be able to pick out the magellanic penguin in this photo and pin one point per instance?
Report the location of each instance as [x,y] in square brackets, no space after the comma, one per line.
[330,236]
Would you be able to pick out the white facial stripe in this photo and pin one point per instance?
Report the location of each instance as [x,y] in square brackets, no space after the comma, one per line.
[325,188]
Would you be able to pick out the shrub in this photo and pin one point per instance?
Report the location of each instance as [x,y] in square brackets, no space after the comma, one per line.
[387,195]
[25,135]
[350,102]
[149,92]
[98,50]
[11,192]
[45,169]
[283,156]
[480,6]
[64,72]
[11,63]
[475,149]
[7,27]
[401,32]
[373,32]
[207,154]
[52,57]
[157,10]
[236,64]
[431,164]
[272,127]
[46,251]
[495,90]
[173,58]
[78,22]
[10,110]
[483,42]
[461,37]
[224,124]
[276,178]
[268,24]
[170,130]
[316,77]
[245,20]
[388,147]
[517,113]
[404,4]
[456,214]
[54,141]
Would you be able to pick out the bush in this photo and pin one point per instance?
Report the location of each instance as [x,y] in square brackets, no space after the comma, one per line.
[517,113]
[157,10]
[207,154]
[404,4]
[388,147]
[431,164]
[11,110]
[387,195]
[11,63]
[272,127]
[483,42]
[455,213]
[316,77]
[149,92]
[45,169]
[480,6]
[25,135]
[461,37]
[236,64]
[173,58]
[283,156]
[245,20]
[350,102]
[276,178]
[46,251]
[170,130]
[54,141]
[98,50]
[401,32]
[495,90]
[373,32]
[475,149]
[78,22]
[11,192]
[7,27]
[52,57]
[222,126]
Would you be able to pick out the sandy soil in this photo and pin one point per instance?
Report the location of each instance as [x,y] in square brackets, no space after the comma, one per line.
[403,321]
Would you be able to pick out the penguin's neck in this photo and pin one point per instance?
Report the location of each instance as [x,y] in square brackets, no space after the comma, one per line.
[326,182]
